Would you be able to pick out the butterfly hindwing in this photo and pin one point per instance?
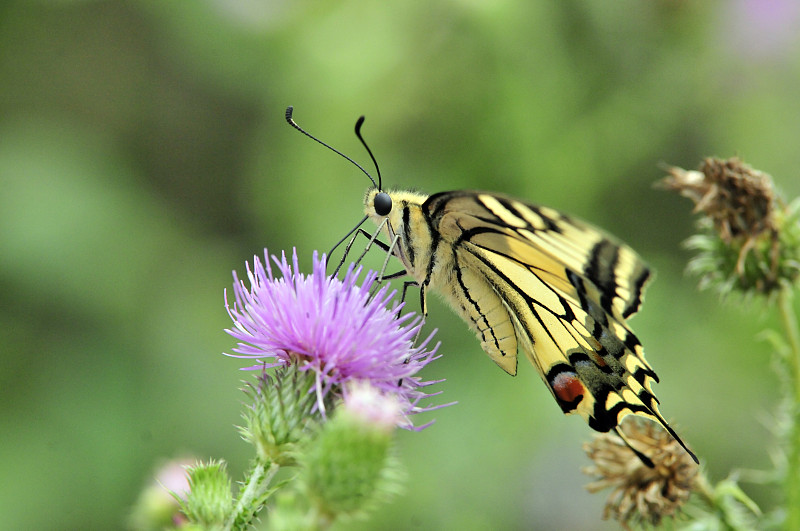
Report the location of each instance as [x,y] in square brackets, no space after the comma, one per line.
[486,312]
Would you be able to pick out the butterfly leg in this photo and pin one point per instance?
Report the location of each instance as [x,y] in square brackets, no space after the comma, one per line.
[406,285]
[398,274]
[351,231]
[372,241]
[422,303]
[388,249]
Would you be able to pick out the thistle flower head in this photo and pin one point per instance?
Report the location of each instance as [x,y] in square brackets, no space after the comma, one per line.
[749,241]
[333,327]
[640,493]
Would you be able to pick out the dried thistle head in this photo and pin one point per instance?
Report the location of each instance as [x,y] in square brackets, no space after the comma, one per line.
[736,198]
[749,240]
[640,494]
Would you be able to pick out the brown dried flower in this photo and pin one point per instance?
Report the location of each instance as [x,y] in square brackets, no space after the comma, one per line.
[640,493]
[738,199]
[749,240]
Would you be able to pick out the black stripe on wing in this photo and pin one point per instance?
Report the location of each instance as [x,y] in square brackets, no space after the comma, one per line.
[601,270]
[466,292]
[638,282]
[549,224]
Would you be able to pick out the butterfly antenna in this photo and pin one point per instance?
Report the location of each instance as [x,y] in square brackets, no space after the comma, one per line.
[290,110]
[359,123]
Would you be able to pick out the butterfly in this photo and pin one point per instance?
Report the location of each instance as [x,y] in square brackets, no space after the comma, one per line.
[528,278]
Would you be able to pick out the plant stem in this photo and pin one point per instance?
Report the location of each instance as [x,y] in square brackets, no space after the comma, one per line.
[792,480]
[250,498]
[704,489]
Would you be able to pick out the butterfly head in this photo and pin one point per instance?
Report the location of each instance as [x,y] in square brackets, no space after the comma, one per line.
[382,203]
[379,205]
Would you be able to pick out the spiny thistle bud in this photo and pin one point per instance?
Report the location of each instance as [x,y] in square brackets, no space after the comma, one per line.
[749,240]
[640,493]
[208,503]
[281,413]
[350,466]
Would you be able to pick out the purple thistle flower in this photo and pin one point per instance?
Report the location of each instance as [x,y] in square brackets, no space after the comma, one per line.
[330,326]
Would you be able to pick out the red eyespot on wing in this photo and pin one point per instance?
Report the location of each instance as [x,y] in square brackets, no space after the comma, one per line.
[568,390]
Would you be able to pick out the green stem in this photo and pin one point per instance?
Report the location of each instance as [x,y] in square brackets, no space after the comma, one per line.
[703,488]
[725,500]
[792,485]
[250,498]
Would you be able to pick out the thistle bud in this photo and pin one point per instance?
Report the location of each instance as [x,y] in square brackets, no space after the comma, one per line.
[350,466]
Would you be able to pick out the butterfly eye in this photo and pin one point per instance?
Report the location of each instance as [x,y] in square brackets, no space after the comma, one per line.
[382,204]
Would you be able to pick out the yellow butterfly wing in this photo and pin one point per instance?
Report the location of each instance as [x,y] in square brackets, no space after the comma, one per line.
[529,277]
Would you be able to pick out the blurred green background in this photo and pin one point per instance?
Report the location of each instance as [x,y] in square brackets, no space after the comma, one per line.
[144,156]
